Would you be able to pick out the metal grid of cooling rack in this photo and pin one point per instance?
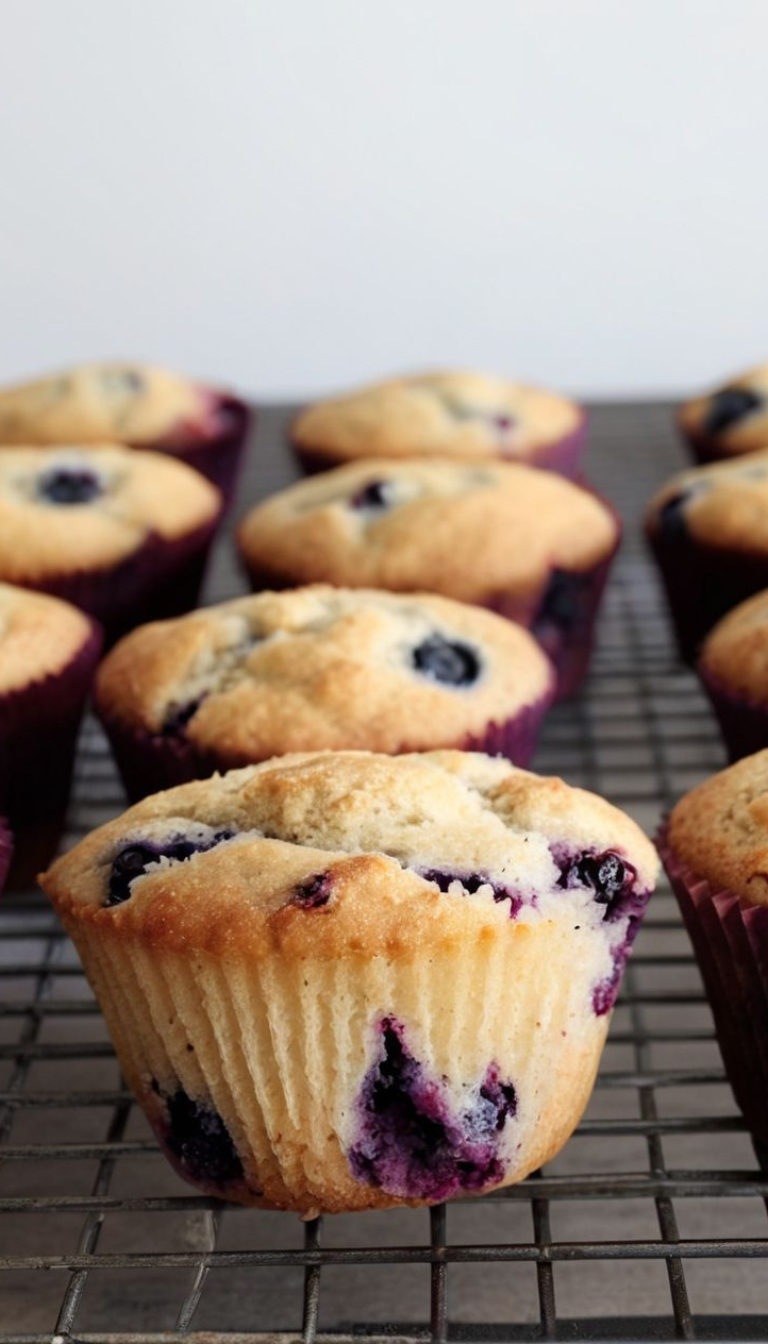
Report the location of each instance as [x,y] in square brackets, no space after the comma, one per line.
[643,1228]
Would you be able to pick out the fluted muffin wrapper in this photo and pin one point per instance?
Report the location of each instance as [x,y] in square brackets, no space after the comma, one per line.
[702,584]
[158,580]
[563,457]
[39,724]
[254,1071]
[149,762]
[743,723]
[218,456]
[730,939]
[6,851]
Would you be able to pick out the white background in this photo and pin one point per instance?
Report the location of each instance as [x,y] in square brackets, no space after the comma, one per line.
[298,194]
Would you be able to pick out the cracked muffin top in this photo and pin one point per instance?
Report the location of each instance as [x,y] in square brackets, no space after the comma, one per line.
[136,404]
[736,650]
[326,667]
[465,532]
[74,508]
[724,505]
[733,416]
[39,635]
[720,829]
[467,416]
[383,852]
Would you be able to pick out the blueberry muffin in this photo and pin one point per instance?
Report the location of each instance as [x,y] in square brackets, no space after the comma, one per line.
[135,404]
[524,543]
[468,417]
[715,850]
[318,669]
[345,981]
[48,655]
[122,534]
[733,669]
[708,530]
[729,421]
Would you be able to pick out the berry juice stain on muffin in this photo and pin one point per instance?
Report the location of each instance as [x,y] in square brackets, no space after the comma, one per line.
[613,882]
[142,856]
[197,1138]
[410,1141]
[472,883]
[315,892]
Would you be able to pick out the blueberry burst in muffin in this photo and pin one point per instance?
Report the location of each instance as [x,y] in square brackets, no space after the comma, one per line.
[120,533]
[345,981]
[136,404]
[708,530]
[522,542]
[729,421]
[318,669]
[468,417]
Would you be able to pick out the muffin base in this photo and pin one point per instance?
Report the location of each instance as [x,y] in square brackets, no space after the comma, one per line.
[704,449]
[563,457]
[743,723]
[702,584]
[219,456]
[730,939]
[160,579]
[6,851]
[39,724]
[150,762]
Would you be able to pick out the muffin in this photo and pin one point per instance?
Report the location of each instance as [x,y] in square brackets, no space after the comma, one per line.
[468,417]
[708,530]
[729,421]
[733,669]
[122,534]
[715,850]
[524,543]
[48,655]
[135,404]
[318,669]
[6,851]
[343,981]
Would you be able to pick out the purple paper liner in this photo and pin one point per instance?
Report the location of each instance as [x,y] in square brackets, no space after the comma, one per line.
[730,939]
[6,851]
[219,456]
[702,584]
[743,723]
[160,579]
[563,457]
[38,733]
[150,762]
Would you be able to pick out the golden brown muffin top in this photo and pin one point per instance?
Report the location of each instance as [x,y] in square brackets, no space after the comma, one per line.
[102,402]
[467,416]
[734,416]
[323,668]
[39,636]
[720,829]
[724,505]
[387,854]
[736,650]
[72,508]
[465,532]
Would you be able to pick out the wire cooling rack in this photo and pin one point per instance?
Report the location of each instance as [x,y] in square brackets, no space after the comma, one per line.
[645,1227]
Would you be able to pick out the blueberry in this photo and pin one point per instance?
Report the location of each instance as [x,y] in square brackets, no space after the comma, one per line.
[315,892]
[200,1141]
[671,520]
[606,874]
[563,602]
[472,882]
[69,485]
[729,406]
[447,661]
[134,859]
[375,496]
[178,717]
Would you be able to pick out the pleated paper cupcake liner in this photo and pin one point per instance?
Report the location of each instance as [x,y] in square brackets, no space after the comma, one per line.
[218,456]
[39,724]
[743,723]
[6,851]
[730,939]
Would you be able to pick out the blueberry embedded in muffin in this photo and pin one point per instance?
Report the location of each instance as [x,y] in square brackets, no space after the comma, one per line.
[522,542]
[468,417]
[123,534]
[318,669]
[317,927]
[730,420]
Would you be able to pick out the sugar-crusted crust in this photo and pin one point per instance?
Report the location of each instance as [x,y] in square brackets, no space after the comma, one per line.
[468,416]
[736,651]
[720,829]
[319,667]
[93,403]
[468,533]
[745,435]
[39,635]
[144,493]
[727,506]
[369,821]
